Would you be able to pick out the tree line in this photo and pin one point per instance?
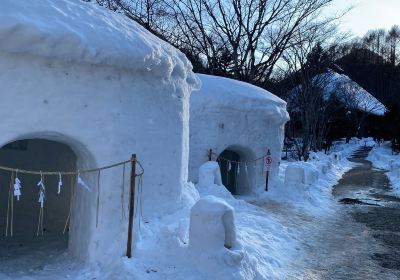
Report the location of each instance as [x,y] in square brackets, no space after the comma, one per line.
[283,46]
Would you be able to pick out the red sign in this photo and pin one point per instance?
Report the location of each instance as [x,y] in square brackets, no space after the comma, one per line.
[268,163]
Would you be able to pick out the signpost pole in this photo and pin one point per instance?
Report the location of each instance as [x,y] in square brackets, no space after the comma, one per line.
[267,167]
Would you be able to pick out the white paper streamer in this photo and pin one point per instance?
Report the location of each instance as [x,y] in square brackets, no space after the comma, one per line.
[41,191]
[82,183]
[245,168]
[229,166]
[17,187]
[41,198]
[59,183]
[238,168]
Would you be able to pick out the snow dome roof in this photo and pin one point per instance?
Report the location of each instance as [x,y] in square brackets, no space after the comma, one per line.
[74,30]
[362,99]
[237,95]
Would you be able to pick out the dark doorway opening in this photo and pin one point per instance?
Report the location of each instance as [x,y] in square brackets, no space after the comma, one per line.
[35,155]
[228,162]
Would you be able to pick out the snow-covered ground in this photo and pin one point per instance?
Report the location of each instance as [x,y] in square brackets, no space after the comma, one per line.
[383,158]
[271,228]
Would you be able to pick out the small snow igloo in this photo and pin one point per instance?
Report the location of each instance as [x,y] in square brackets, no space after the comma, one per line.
[239,122]
[83,87]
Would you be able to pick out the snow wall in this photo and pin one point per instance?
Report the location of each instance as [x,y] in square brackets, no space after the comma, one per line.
[229,114]
[75,73]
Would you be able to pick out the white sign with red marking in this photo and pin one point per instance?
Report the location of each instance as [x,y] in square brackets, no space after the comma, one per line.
[267,163]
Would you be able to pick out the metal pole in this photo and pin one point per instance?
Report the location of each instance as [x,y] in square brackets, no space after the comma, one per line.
[210,155]
[131,206]
[266,180]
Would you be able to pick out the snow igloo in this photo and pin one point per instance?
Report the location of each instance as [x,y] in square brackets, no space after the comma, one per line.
[238,122]
[83,87]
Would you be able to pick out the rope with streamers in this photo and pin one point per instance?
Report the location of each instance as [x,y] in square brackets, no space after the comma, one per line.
[15,191]
[239,162]
[78,172]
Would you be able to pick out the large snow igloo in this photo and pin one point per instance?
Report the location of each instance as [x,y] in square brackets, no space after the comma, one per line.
[83,87]
[239,122]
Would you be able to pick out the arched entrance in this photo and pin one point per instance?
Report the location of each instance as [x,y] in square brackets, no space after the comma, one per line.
[36,155]
[228,162]
[237,174]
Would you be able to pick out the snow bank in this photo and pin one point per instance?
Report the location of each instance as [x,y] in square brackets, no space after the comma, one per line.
[78,31]
[382,157]
[308,185]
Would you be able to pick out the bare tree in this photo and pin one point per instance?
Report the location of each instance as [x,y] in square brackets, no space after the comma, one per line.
[248,36]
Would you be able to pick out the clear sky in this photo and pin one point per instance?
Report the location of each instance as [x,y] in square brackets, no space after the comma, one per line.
[367,14]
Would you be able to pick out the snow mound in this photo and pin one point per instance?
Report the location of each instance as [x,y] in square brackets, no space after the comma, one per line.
[212,225]
[229,93]
[209,174]
[78,31]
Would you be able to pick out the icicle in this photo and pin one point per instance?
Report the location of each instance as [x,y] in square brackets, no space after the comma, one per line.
[59,183]
[229,165]
[82,183]
[17,187]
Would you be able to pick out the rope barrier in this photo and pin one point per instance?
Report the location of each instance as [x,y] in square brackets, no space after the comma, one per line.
[5,168]
[243,162]
[76,179]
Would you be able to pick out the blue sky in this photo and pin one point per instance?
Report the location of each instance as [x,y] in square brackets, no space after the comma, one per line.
[367,14]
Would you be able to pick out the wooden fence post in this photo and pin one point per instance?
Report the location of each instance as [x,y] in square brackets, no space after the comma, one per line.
[131,206]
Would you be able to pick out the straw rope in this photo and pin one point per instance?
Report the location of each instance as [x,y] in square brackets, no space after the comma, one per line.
[247,161]
[5,168]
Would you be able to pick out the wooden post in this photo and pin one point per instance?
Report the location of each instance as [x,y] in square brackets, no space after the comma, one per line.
[210,155]
[131,206]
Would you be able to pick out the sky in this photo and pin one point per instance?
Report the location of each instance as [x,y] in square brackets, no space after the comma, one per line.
[367,14]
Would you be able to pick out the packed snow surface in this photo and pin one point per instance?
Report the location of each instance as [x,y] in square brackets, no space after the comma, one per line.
[78,31]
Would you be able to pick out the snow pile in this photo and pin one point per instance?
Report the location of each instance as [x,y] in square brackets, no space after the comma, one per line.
[382,157]
[78,31]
